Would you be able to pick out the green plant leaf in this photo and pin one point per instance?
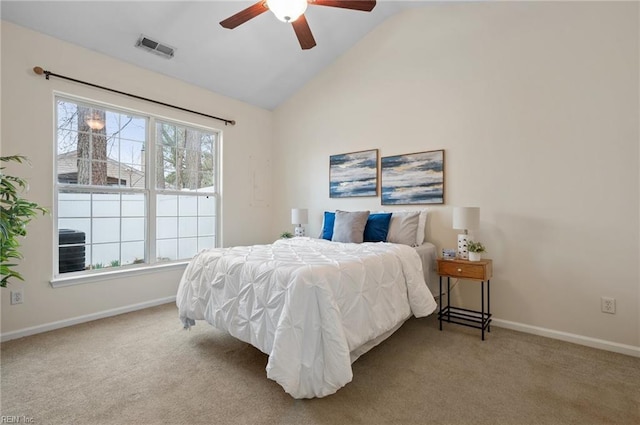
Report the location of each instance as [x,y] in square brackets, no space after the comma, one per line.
[16,213]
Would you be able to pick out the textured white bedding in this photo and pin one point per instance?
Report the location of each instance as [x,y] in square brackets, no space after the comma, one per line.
[307,303]
[428,254]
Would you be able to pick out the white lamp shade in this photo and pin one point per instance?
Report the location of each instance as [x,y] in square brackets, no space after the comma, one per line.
[299,216]
[467,218]
[287,10]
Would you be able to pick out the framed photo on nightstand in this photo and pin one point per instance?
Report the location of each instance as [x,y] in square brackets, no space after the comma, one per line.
[448,254]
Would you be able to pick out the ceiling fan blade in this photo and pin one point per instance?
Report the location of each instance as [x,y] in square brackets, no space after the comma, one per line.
[303,32]
[244,15]
[363,5]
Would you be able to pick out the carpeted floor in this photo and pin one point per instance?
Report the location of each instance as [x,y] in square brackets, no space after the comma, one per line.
[143,368]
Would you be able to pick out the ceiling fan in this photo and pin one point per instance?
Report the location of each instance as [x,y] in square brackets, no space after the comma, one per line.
[292,11]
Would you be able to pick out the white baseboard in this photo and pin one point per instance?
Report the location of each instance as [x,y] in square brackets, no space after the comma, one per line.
[601,344]
[82,319]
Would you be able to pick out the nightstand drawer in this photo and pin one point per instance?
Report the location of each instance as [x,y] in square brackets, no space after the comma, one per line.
[480,270]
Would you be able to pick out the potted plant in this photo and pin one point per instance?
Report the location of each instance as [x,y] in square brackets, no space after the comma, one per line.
[286,235]
[475,250]
[16,213]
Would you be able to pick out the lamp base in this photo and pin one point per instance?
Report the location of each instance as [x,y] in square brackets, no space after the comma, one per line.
[299,231]
[463,252]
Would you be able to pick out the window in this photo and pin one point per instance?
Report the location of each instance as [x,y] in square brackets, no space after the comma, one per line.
[114,210]
[185,213]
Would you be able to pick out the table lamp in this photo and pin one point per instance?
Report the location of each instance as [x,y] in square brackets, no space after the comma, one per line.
[465,218]
[299,216]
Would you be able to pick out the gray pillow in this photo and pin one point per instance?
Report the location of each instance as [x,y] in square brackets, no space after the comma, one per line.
[349,226]
[403,227]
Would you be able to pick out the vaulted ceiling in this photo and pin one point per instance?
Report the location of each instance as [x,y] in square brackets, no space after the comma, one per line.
[259,62]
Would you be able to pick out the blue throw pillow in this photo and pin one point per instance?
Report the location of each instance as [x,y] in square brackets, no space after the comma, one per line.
[327,225]
[377,227]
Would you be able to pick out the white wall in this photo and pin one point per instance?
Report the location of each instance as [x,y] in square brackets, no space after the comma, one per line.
[536,106]
[28,129]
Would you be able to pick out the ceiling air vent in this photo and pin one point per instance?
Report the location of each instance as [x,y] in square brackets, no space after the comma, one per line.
[154,47]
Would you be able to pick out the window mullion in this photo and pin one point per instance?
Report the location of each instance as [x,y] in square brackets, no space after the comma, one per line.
[92,227]
[150,160]
[120,262]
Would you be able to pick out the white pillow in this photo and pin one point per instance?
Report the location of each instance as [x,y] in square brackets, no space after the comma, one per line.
[422,224]
[403,227]
[420,234]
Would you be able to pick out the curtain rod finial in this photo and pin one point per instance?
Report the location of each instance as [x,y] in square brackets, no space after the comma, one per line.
[38,70]
[232,122]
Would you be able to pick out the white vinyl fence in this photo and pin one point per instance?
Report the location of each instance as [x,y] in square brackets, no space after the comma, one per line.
[115,225]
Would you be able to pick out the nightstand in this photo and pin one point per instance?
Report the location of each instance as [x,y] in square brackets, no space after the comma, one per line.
[477,271]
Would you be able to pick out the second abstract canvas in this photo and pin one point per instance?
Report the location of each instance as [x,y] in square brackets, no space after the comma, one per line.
[416,178]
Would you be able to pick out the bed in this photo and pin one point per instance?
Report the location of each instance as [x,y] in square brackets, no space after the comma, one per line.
[312,305]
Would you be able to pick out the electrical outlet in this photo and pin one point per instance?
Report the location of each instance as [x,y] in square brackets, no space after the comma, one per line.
[608,305]
[17,296]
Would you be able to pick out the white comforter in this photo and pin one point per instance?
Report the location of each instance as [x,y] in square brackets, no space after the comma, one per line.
[307,303]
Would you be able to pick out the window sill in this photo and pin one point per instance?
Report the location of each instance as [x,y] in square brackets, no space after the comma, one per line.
[62,281]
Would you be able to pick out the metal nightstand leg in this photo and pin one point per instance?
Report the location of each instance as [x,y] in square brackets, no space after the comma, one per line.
[440,311]
[489,305]
[448,299]
[482,308]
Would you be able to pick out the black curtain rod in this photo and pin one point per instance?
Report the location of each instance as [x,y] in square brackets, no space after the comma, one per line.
[38,70]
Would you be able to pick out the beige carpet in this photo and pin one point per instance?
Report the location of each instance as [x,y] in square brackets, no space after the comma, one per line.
[143,368]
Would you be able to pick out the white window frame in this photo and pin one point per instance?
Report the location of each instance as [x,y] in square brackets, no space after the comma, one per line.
[152,265]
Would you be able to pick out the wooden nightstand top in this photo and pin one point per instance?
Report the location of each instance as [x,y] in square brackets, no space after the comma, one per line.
[464,269]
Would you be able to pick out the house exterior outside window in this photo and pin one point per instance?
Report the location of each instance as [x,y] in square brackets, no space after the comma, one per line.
[132,190]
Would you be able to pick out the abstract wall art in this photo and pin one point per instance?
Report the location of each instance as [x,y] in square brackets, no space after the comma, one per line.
[416,178]
[353,174]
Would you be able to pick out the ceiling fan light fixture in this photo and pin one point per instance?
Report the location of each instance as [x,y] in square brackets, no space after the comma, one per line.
[287,10]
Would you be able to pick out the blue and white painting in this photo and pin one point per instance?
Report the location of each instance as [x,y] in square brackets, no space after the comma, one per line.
[416,178]
[353,174]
